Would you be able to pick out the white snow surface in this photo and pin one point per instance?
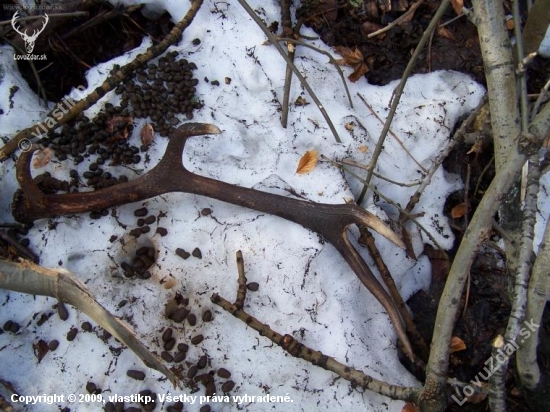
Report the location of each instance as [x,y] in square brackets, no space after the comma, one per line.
[306,288]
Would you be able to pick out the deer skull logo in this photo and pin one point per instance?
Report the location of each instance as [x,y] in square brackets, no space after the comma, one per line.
[29,40]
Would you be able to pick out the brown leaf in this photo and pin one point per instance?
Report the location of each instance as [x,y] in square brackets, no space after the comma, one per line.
[458,211]
[457,344]
[301,101]
[40,349]
[307,162]
[359,71]
[445,33]
[457,6]
[147,134]
[476,148]
[410,407]
[351,57]
[363,149]
[41,158]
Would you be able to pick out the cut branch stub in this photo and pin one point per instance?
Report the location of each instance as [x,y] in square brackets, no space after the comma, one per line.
[329,220]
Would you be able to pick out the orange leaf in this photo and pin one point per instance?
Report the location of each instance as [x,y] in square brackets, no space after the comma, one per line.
[476,148]
[410,407]
[457,6]
[307,162]
[457,344]
[351,57]
[458,211]
[359,71]
[445,33]
[42,158]
[147,134]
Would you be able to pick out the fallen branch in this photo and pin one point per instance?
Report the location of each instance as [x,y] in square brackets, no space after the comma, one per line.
[26,277]
[298,350]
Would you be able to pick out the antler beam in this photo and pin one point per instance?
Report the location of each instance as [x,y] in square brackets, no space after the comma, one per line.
[169,175]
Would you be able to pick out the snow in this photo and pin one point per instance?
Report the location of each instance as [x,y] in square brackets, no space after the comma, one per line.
[306,288]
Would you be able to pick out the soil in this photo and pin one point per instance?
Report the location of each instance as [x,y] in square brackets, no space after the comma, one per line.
[110,32]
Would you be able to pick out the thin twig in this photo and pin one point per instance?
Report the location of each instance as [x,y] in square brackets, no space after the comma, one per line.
[367,239]
[538,294]
[286,23]
[378,175]
[399,91]
[24,251]
[397,139]
[241,291]
[331,58]
[410,216]
[273,39]
[398,21]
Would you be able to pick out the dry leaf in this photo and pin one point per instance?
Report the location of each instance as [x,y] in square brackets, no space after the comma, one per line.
[445,33]
[349,126]
[457,6]
[355,59]
[307,162]
[410,407]
[458,211]
[147,134]
[40,349]
[476,148]
[301,101]
[457,344]
[363,149]
[41,158]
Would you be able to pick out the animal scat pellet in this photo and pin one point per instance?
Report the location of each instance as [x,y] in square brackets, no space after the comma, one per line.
[169,344]
[207,316]
[179,315]
[253,286]
[180,357]
[197,339]
[71,335]
[62,311]
[86,326]
[167,334]
[228,386]
[91,387]
[135,374]
[192,372]
[203,361]
[223,373]
[53,345]
[197,253]
[141,212]
[182,253]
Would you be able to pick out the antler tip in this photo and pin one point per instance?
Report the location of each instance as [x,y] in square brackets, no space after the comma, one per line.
[196,129]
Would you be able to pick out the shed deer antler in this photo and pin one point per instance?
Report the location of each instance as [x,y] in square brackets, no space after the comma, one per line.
[169,175]
[29,40]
